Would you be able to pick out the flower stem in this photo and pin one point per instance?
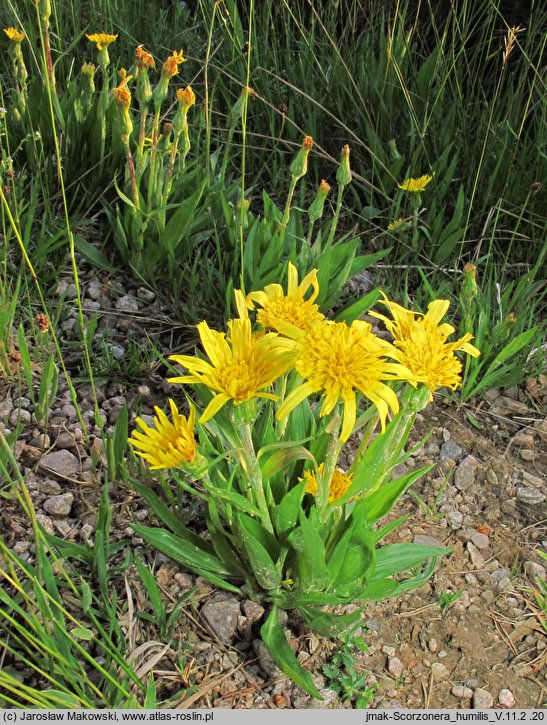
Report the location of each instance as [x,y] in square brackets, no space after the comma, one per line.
[255,474]
[331,459]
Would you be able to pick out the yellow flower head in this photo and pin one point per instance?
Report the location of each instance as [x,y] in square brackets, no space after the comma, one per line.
[16,36]
[421,344]
[338,361]
[415,185]
[277,306]
[240,367]
[171,66]
[88,69]
[186,97]
[397,225]
[101,40]
[324,187]
[338,486]
[122,97]
[169,444]
[143,59]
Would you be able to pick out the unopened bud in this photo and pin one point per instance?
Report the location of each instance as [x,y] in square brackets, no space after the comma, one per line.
[469,283]
[317,206]
[343,175]
[299,165]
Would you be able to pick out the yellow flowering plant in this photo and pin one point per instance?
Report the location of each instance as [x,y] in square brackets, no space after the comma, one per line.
[278,395]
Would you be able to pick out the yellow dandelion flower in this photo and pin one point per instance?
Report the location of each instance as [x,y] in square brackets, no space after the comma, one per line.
[338,361]
[397,225]
[415,185]
[171,66]
[169,444]
[240,367]
[16,36]
[144,59]
[101,40]
[186,97]
[421,343]
[291,308]
[338,486]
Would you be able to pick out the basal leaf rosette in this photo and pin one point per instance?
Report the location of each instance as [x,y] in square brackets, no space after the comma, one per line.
[421,343]
[291,307]
[241,366]
[339,361]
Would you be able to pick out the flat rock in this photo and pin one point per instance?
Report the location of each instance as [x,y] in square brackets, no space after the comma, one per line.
[465,473]
[533,570]
[455,519]
[530,495]
[425,540]
[534,481]
[221,617]
[63,463]
[395,667]
[482,699]
[451,450]
[252,611]
[476,557]
[481,541]
[127,304]
[507,406]
[59,505]
[463,692]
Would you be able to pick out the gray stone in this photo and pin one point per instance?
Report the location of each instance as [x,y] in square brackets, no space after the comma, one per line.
[373,625]
[221,616]
[330,700]
[507,406]
[499,574]
[530,496]
[265,660]
[425,540]
[62,463]
[533,570]
[93,290]
[252,611]
[451,450]
[491,477]
[59,505]
[69,411]
[533,481]
[476,557]
[440,671]
[481,541]
[127,304]
[143,293]
[455,519]
[395,667]
[20,416]
[488,596]
[506,698]
[463,692]
[49,487]
[482,699]
[465,473]
[40,440]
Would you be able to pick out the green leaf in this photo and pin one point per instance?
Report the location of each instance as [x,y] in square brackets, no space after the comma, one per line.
[330,625]
[93,255]
[82,633]
[312,569]
[185,552]
[381,501]
[234,498]
[178,227]
[395,558]
[168,518]
[280,651]
[378,589]
[260,548]
[153,590]
[354,311]
[278,456]
[287,512]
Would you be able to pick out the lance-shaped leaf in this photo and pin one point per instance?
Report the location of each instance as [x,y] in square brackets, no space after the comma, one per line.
[280,650]
[262,552]
[330,625]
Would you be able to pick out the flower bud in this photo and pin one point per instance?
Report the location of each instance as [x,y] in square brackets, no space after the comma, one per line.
[316,208]
[169,69]
[122,99]
[343,175]
[299,165]
[469,283]
[236,112]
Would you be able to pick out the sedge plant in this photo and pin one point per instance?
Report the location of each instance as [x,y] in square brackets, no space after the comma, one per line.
[278,396]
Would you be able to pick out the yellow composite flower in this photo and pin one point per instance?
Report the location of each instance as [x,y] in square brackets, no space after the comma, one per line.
[169,444]
[421,343]
[291,308]
[144,59]
[338,486]
[239,367]
[186,97]
[16,36]
[170,67]
[338,361]
[415,185]
[101,40]
[397,225]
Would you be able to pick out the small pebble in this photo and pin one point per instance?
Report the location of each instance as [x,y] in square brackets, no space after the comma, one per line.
[527,455]
[440,671]
[395,667]
[465,693]
[59,505]
[506,698]
[482,699]
[481,541]
[455,519]
[127,304]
